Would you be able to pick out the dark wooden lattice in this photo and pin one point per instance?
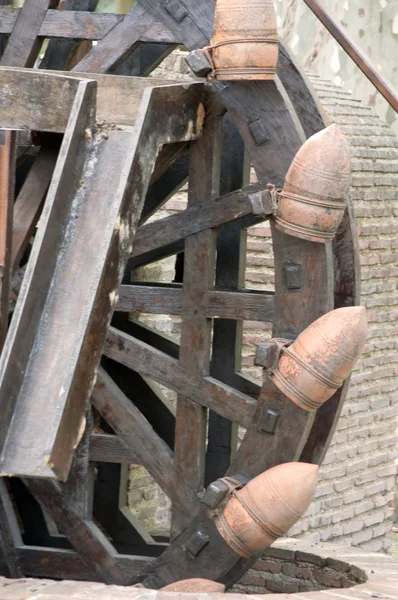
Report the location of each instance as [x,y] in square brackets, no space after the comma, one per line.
[83,533]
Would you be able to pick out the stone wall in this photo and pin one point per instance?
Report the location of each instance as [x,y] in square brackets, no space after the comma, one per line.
[355,497]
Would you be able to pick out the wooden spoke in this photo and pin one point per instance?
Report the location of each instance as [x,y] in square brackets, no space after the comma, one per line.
[25,42]
[152,363]
[29,203]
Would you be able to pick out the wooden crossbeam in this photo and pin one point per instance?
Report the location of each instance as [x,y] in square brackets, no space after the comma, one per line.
[202,216]
[10,536]
[150,450]
[241,305]
[156,365]
[25,42]
[30,89]
[81,25]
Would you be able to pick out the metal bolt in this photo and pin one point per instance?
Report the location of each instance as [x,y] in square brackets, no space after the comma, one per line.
[293,276]
[215,494]
[266,354]
[259,132]
[197,542]
[269,420]
[176,10]
[199,63]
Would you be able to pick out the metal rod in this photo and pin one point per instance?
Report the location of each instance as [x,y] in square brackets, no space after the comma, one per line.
[357,56]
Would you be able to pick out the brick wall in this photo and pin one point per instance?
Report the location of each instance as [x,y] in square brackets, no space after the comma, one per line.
[355,497]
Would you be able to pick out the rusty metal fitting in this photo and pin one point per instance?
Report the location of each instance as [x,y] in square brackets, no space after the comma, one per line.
[245,42]
[268,353]
[267,507]
[322,357]
[314,197]
[218,490]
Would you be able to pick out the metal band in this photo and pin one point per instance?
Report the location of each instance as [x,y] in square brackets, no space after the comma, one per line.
[308,404]
[255,518]
[246,71]
[337,204]
[307,231]
[322,378]
[244,41]
[243,550]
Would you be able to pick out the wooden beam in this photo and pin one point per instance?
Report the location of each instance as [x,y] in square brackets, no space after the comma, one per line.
[248,305]
[202,216]
[7,184]
[199,273]
[156,365]
[25,42]
[96,550]
[81,25]
[28,205]
[10,536]
[53,563]
[110,448]
[31,89]
[152,452]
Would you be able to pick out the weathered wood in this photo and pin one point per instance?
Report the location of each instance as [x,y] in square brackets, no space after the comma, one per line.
[147,397]
[54,92]
[310,112]
[28,205]
[119,42]
[152,363]
[24,42]
[54,563]
[60,52]
[199,274]
[110,448]
[146,334]
[136,434]
[7,184]
[248,305]
[85,536]
[10,536]
[91,299]
[230,274]
[3,38]
[81,25]
[202,216]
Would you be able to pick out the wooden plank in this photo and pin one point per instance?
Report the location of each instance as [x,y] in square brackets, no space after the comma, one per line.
[3,38]
[54,92]
[28,205]
[151,450]
[110,448]
[249,305]
[230,274]
[10,536]
[84,535]
[147,397]
[146,334]
[156,365]
[60,371]
[53,563]
[199,273]
[7,184]
[59,53]
[119,42]
[24,42]
[202,216]
[81,25]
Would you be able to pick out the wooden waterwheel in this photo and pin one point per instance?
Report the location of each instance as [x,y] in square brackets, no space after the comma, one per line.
[106,152]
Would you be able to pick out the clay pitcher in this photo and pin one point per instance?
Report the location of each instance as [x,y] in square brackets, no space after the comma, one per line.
[314,197]
[245,42]
[267,507]
[322,357]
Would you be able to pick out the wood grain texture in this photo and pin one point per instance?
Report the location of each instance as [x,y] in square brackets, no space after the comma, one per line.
[10,536]
[25,42]
[151,450]
[28,205]
[85,536]
[199,274]
[199,217]
[152,363]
